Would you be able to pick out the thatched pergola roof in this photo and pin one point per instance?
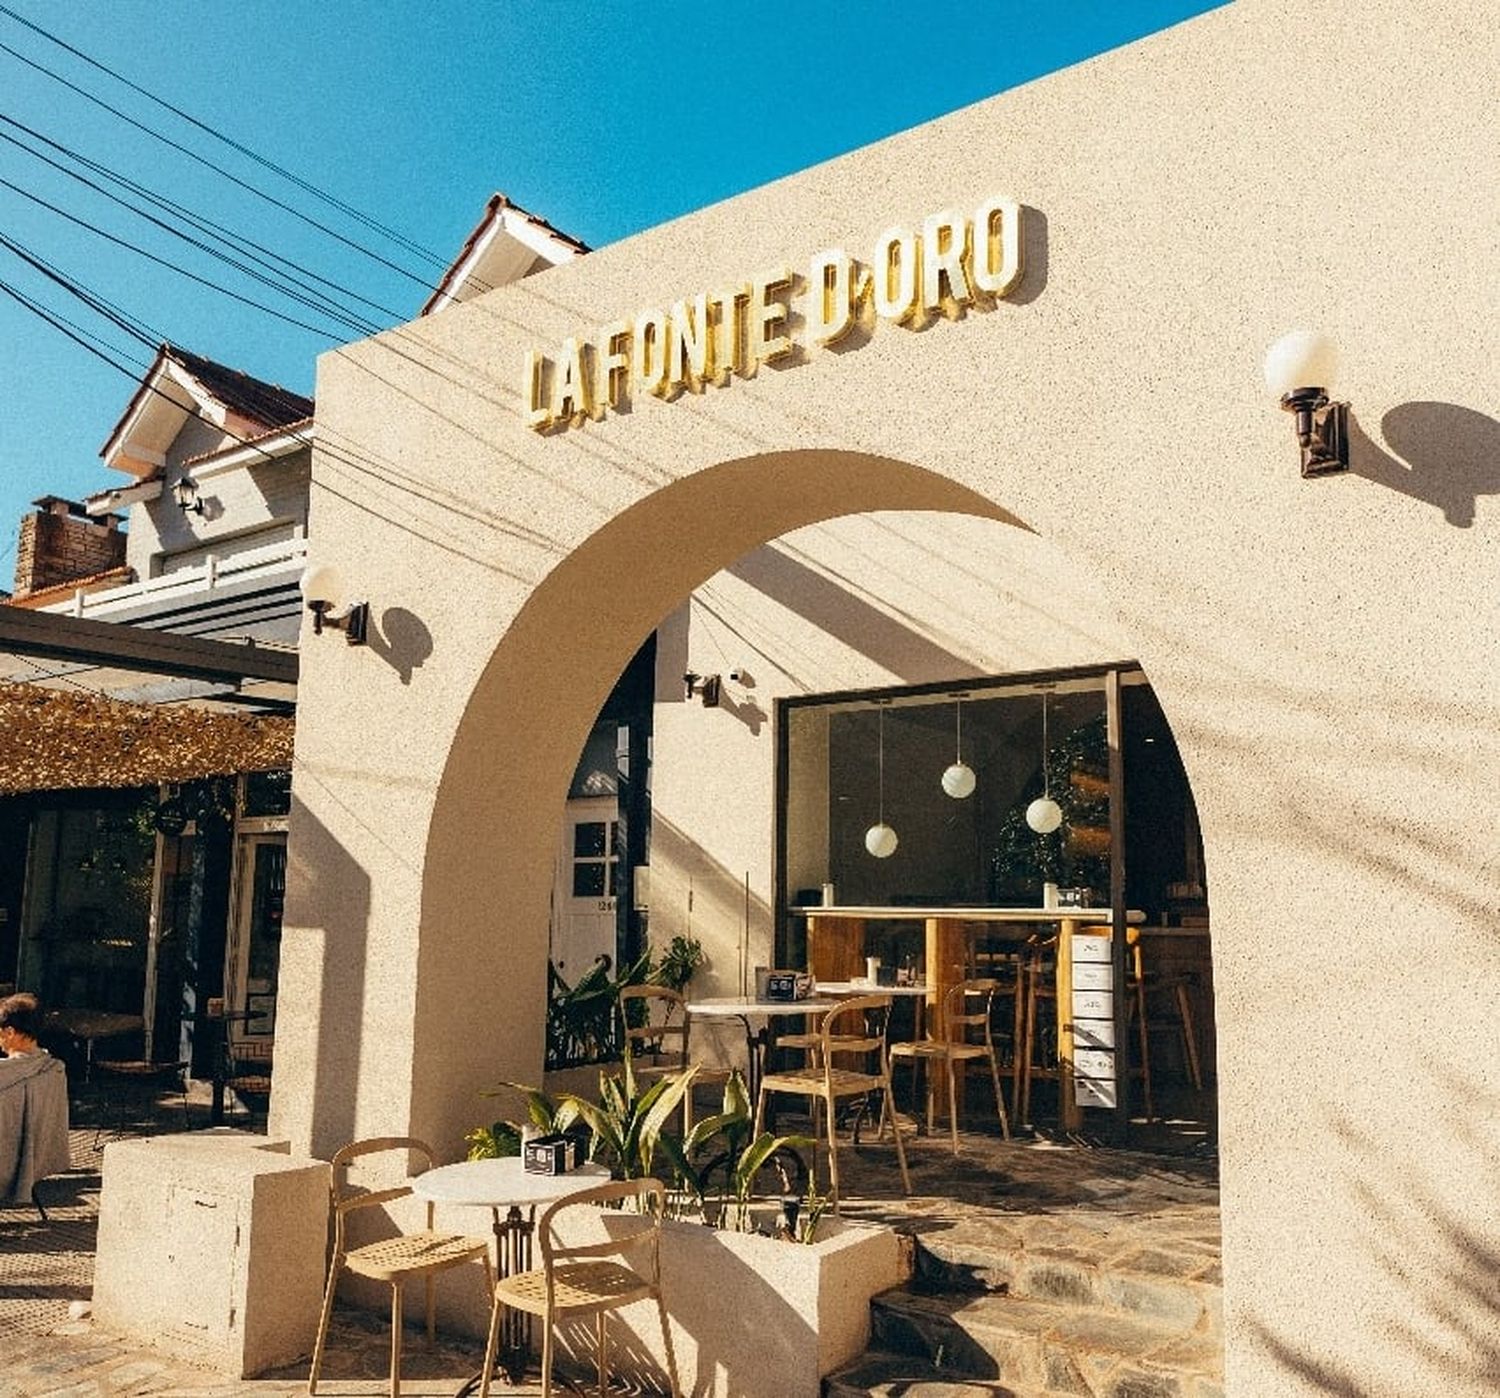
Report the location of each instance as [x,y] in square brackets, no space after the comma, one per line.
[59,739]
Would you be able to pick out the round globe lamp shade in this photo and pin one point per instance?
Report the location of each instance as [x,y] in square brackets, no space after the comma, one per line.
[881,841]
[958,781]
[322,582]
[1301,359]
[1044,815]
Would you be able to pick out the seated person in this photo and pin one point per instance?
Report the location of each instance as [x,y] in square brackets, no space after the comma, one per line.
[20,1019]
[33,1103]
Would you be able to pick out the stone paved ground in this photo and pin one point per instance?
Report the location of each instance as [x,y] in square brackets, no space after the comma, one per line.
[1160,1209]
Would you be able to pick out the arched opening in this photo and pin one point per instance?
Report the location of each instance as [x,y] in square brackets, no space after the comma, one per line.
[806,575]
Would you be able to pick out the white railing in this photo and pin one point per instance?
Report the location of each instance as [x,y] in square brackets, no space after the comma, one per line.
[286,555]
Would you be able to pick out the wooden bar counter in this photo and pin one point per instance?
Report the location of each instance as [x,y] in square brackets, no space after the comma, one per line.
[836,943]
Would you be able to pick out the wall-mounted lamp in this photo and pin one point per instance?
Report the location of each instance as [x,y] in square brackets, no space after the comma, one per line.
[322,588]
[706,687]
[1299,367]
[185,493]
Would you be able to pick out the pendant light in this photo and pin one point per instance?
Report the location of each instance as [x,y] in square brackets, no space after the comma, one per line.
[1044,815]
[958,780]
[880,839]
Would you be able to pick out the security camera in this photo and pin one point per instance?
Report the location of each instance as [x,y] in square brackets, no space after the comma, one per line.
[740,675]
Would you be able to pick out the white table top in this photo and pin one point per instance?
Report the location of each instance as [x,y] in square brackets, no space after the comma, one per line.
[729,1006]
[502,1182]
[857,988]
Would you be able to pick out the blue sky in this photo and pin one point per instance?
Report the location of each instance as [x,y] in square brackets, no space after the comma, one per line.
[603,117]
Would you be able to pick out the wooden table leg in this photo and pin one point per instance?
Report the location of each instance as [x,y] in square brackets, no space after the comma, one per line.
[1067,1094]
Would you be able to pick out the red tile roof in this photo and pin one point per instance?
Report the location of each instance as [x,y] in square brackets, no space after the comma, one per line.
[60,592]
[249,397]
[497,204]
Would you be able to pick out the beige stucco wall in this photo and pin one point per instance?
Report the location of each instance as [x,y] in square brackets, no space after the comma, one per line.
[1324,650]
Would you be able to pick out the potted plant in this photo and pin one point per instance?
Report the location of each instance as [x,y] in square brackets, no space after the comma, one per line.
[780,1288]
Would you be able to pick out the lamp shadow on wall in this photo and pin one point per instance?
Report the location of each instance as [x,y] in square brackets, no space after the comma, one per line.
[1452,1326]
[402,640]
[1439,453]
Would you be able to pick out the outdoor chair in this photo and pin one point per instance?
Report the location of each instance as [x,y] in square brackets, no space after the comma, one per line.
[1140,983]
[660,1044]
[394,1261]
[127,1085]
[856,1028]
[580,1279]
[1036,1034]
[247,1074]
[954,1046]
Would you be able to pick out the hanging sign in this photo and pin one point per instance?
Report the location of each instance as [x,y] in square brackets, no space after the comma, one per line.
[953,260]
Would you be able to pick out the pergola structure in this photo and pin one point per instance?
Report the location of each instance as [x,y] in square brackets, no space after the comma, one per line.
[90,704]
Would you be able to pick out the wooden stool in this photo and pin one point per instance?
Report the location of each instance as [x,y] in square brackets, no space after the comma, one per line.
[1038,983]
[1139,987]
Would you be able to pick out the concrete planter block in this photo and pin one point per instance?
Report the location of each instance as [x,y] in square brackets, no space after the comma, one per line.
[752,1317]
[211,1247]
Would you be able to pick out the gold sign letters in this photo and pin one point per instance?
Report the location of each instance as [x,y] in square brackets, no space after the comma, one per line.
[953,260]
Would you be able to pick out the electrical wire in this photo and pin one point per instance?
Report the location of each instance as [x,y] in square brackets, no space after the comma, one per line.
[322,331]
[93,301]
[209,164]
[318,302]
[333,201]
[248,246]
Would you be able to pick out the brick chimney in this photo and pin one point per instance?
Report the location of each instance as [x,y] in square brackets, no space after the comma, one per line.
[60,543]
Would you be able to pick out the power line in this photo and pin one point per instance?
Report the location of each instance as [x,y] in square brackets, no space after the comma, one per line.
[318,301]
[92,300]
[61,324]
[205,225]
[322,331]
[333,201]
[217,169]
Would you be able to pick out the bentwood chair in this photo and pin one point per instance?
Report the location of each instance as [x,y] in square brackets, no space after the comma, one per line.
[658,1037]
[955,1046]
[592,1278]
[855,1028]
[394,1261]
[1140,984]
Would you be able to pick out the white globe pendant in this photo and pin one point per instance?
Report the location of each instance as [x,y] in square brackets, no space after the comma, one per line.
[958,781]
[881,841]
[1044,815]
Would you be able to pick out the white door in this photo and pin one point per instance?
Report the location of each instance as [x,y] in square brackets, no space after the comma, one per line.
[254,960]
[583,899]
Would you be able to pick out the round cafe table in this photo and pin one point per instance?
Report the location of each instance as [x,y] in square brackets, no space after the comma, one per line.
[506,1184]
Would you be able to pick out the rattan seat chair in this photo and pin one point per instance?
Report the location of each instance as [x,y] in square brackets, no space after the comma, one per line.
[846,1032]
[954,1046]
[394,1261]
[578,1279]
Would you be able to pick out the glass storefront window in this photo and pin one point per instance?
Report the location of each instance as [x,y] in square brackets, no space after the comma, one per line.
[979,850]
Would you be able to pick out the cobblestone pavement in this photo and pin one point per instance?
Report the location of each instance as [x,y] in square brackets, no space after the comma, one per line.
[1162,1208]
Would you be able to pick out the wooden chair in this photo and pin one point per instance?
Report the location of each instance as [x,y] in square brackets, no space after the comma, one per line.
[660,1044]
[846,1030]
[247,1074]
[394,1261]
[954,1046]
[584,1279]
[1033,1059]
[1140,985]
